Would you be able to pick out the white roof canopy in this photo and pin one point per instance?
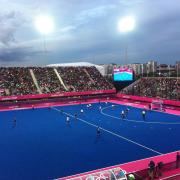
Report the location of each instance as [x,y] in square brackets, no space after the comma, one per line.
[76,64]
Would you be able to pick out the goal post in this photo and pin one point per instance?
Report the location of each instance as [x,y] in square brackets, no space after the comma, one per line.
[157,105]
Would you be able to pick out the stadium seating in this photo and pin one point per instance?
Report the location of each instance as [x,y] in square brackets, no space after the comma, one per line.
[98,80]
[16,81]
[47,80]
[76,79]
[167,88]
[37,80]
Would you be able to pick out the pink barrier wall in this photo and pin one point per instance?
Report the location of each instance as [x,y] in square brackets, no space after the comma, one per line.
[148,99]
[65,94]
[133,166]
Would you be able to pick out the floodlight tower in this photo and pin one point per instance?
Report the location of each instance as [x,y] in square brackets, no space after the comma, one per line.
[125,25]
[45,25]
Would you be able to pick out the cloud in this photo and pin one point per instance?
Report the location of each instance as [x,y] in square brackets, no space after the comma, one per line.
[17,54]
[96,12]
[85,29]
[131,3]
[67,29]
[9,23]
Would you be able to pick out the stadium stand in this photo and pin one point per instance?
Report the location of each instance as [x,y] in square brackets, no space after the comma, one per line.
[43,80]
[166,88]
[16,81]
[37,80]
[75,78]
[99,81]
[47,80]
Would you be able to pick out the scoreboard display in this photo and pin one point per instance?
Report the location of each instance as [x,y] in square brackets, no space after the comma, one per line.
[123,74]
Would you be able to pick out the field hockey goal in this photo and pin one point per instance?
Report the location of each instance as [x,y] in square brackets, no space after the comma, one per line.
[157,105]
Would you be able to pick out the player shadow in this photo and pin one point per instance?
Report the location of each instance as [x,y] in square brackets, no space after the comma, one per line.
[14,125]
[99,138]
[68,124]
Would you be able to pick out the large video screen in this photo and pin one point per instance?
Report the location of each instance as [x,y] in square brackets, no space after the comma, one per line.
[123,74]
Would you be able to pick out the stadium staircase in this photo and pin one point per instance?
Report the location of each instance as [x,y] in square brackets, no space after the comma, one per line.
[7,92]
[35,81]
[131,85]
[60,79]
[89,76]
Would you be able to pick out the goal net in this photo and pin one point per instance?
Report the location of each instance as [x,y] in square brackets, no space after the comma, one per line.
[157,105]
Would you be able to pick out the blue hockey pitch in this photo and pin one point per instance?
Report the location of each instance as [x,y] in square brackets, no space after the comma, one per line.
[40,145]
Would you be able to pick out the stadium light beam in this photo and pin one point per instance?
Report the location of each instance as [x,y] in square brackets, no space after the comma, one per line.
[126,24]
[44,24]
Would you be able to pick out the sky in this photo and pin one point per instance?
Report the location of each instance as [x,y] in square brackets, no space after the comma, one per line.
[87,30]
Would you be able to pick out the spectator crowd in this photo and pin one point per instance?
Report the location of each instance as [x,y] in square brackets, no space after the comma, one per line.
[35,80]
[83,78]
[47,80]
[167,88]
[16,81]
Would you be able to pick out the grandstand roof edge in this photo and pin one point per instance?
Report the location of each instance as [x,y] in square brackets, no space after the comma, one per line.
[74,64]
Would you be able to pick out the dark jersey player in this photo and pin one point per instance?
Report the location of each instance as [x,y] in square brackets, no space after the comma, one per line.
[14,122]
[75,116]
[126,111]
[98,131]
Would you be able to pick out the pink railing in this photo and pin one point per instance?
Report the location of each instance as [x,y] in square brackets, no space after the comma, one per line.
[64,94]
[148,99]
[139,167]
